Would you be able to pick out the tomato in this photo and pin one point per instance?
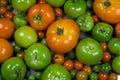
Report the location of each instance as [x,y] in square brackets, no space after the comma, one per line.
[41,34]
[106,57]
[20,54]
[68,64]
[107,10]
[58,11]
[9,15]
[103,45]
[81,75]
[6,50]
[2,10]
[3,3]
[40,16]
[95,18]
[41,1]
[62,35]
[58,58]
[78,65]
[117,29]
[113,76]
[87,69]
[102,76]
[7,28]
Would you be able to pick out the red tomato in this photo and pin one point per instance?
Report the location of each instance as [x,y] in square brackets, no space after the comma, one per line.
[68,64]
[62,35]
[104,46]
[106,57]
[78,65]
[117,29]
[102,76]
[9,15]
[58,11]
[7,28]
[40,16]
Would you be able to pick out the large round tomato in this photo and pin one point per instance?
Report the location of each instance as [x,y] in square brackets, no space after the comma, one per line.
[40,16]
[107,10]
[62,35]
[6,28]
[6,50]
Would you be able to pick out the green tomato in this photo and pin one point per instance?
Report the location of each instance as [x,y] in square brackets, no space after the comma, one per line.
[56,3]
[56,72]
[25,36]
[75,8]
[89,51]
[114,46]
[85,22]
[102,31]
[96,68]
[94,76]
[106,68]
[22,5]
[13,69]
[37,56]
[116,64]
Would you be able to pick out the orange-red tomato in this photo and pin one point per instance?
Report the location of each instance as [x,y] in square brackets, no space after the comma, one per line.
[113,76]
[62,35]
[58,58]
[21,54]
[102,76]
[106,57]
[78,65]
[58,11]
[9,15]
[40,16]
[2,10]
[3,3]
[104,46]
[117,29]
[68,64]
[87,69]
[41,1]
[7,28]
[107,10]
[6,50]
[95,18]
[41,34]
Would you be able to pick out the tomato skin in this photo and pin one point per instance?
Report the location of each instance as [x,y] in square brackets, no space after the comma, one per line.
[6,28]
[108,13]
[102,76]
[78,65]
[6,50]
[40,16]
[104,45]
[68,64]
[62,35]
[113,76]
[117,30]
[9,15]
[106,57]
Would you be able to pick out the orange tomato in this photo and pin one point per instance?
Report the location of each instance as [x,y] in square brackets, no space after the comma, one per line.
[78,65]
[104,46]
[40,16]
[6,50]
[58,11]
[41,1]
[87,69]
[68,64]
[7,28]
[41,34]
[113,76]
[2,10]
[62,35]
[102,76]
[117,29]
[95,18]
[107,10]
[106,57]
[9,15]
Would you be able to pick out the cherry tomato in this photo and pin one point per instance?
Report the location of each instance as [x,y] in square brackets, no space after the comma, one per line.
[58,58]
[87,69]
[117,29]
[21,54]
[41,34]
[104,45]
[106,57]
[81,75]
[68,64]
[102,76]
[6,50]
[7,28]
[3,3]
[58,11]
[78,65]
[2,10]
[40,16]
[9,15]
[95,18]
[113,76]
[41,1]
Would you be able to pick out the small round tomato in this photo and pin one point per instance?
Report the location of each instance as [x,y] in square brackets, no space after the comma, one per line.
[107,10]
[2,10]
[41,34]
[113,76]
[95,18]
[3,3]
[58,58]
[68,64]
[58,11]
[41,1]
[6,50]
[62,35]
[106,57]
[102,76]
[21,54]
[81,75]
[87,69]
[40,16]
[78,65]
[103,45]
[117,29]
[6,28]
[9,15]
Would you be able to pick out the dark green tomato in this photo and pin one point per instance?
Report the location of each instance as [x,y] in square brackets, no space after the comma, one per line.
[114,46]
[38,75]
[31,77]
[13,69]
[17,48]
[102,31]
[89,51]
[73,73]
[85,22]
[9,7]
[22,5]
[93,76]
[105,68]
[56,72]
[75,8]
[71,55]
[20,19]
[89,4]
[96,68]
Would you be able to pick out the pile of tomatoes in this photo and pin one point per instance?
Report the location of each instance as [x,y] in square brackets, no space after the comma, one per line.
[59,40]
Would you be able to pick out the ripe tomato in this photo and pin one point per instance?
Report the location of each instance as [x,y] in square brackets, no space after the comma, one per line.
[106,57]
[78,65]
[6,28]
[113,76]
[9,15]
[95,18]
[40,16]
[3,3]
[41,34]
[68,64]
[58,58]
[87,69]
[62,35]
[6,50]
[104,46]
[2,10]
[102,76]
[81,75]
[20,54]
[117,29]
[107,10]
[58,11]
[41,1]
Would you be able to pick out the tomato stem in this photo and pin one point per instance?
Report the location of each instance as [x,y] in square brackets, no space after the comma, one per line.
[38,18]
[107,3]
[60,31]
